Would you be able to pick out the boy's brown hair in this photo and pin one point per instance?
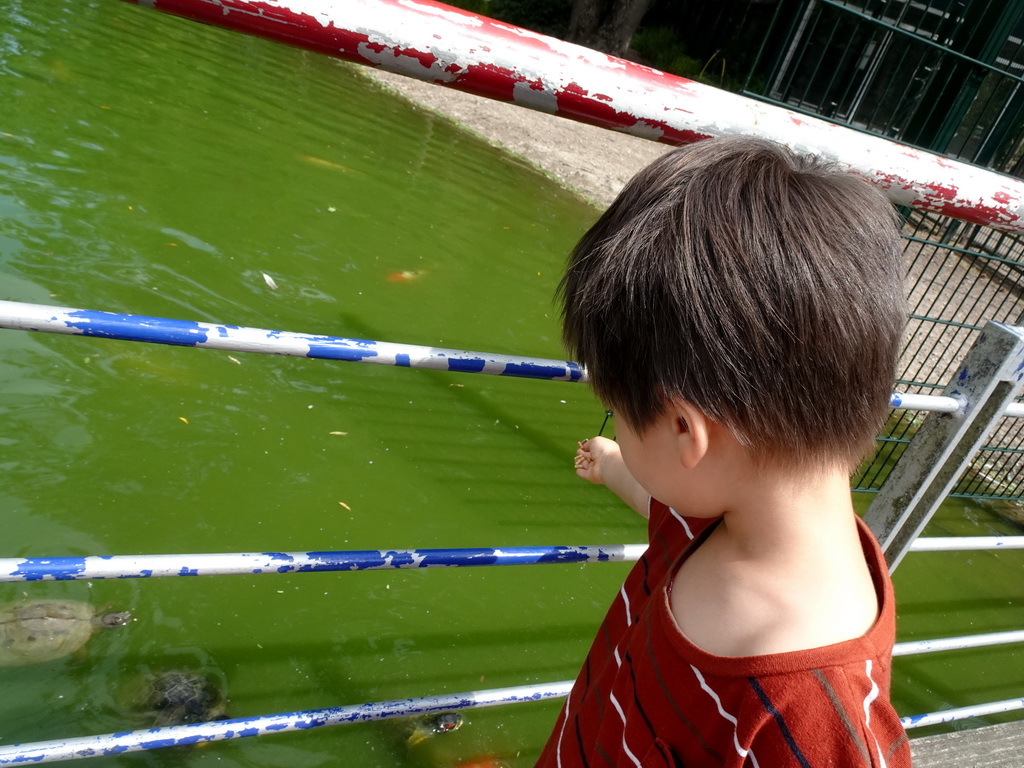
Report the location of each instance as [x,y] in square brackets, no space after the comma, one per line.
[762,287]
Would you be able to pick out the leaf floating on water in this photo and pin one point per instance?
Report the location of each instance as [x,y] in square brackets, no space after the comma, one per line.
[182,418]
[269,281]
[346,506]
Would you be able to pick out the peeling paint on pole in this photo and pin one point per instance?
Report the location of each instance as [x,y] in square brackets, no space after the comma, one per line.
[95,567]
[190,333]
[444,45]
[222,730]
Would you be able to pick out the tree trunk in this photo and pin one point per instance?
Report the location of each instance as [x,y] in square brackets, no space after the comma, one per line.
[606,25]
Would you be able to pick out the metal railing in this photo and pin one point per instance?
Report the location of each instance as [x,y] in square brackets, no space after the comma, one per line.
[954,286]
[981,393]
[946,77]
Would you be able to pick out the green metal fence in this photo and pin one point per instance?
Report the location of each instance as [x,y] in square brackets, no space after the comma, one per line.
[943,75]
[958,276]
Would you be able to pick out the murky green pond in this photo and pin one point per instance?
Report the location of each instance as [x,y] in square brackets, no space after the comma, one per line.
[155,166]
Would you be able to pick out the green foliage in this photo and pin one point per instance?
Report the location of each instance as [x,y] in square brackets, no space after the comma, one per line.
[481,7]
[659,46]
[549,17]
[663,49]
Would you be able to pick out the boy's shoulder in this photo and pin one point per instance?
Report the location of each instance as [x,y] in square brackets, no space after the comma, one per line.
[731,603]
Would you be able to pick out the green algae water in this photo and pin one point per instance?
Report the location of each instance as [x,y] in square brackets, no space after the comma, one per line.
[154,166]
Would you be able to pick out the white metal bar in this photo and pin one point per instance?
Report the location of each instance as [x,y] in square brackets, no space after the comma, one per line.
[962,713]
[934,403]
[966,543]
[221,730]
[190,333]
[14,569]
[22,316]
[198,733]
[914,647]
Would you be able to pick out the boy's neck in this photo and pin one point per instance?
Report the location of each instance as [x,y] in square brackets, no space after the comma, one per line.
[783,571]
[779,510]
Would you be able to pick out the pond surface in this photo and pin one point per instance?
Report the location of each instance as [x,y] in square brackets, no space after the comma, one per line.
[155,166]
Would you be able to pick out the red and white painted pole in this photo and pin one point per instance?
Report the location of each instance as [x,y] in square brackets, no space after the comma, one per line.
[444,45]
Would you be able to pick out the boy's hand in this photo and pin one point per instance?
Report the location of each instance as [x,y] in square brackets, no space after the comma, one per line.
[593,457]
[599,460]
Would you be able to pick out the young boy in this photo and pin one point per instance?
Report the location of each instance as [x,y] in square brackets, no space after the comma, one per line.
[740,309]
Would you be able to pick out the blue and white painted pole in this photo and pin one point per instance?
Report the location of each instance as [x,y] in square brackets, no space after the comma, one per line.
[222,730]
[92,567]
[190,333]
[962,713]
[21,316]
[144,566]
[938,645]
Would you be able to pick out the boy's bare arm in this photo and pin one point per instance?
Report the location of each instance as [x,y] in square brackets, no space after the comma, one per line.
[600,461]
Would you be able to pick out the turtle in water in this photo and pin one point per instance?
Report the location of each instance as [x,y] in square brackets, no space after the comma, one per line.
[43,630]
[181,696]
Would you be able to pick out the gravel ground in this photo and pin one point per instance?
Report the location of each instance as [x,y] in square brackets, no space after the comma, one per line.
[593,162]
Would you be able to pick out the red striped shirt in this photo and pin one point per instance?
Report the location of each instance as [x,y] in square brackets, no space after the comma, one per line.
[647,697]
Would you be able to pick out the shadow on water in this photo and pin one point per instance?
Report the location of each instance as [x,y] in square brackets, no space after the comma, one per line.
[490,410]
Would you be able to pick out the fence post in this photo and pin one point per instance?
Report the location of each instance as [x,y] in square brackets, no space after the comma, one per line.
[940,452]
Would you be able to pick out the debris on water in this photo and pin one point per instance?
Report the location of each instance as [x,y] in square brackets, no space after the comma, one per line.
[346,506]
[486,761]
[269,281]
[182,418]
[234,360]
[406,275]
[321,163]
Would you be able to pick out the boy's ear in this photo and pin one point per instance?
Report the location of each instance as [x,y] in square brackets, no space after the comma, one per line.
[691,426]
